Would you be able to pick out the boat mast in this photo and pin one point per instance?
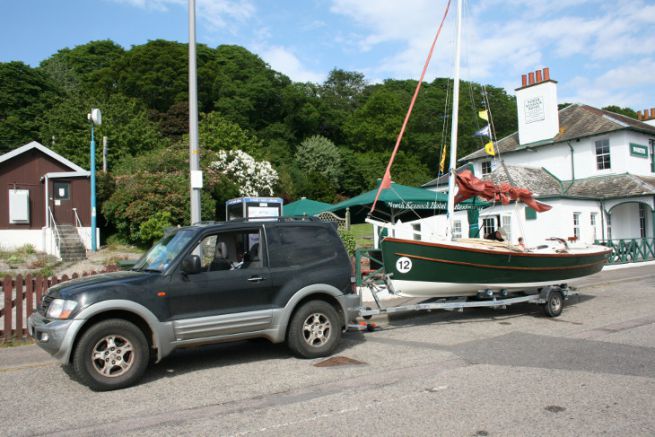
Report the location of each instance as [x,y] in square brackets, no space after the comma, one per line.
[454,122]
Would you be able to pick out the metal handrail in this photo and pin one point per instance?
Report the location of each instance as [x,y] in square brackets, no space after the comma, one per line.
[54,227]
[78,222]
[79,225]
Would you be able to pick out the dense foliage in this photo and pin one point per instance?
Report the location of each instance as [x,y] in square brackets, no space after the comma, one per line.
[325,141]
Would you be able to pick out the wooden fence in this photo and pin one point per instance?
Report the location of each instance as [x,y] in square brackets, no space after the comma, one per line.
[21,297]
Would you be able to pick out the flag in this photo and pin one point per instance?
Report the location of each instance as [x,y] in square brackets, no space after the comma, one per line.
[484,115]
[442,162]
[484,132]
[489,148]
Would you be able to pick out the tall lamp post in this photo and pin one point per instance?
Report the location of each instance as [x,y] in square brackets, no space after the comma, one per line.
[194,158]
[95,117]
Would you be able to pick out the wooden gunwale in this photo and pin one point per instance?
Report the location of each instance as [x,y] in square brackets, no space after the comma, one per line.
[496,252]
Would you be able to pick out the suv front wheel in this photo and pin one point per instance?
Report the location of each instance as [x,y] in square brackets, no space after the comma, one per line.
[112,354]
[314,330]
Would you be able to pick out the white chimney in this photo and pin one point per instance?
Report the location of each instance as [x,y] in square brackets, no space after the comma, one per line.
[536,103]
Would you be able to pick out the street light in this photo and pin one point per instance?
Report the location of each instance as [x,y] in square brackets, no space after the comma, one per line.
[95,117]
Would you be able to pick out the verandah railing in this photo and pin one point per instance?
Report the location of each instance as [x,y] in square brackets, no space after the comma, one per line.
[21,297]
[630,250]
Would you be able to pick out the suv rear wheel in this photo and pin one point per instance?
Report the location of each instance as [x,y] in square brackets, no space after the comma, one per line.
[314,330]
[112,354]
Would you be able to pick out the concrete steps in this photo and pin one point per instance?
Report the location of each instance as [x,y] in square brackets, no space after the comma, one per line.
[70,244]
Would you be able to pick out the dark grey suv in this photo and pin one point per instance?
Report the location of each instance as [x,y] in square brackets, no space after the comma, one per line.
[282,279]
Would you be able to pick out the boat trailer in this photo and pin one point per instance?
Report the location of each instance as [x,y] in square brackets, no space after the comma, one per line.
[551,297]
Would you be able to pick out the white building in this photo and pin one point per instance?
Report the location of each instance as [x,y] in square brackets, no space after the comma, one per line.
[594,167]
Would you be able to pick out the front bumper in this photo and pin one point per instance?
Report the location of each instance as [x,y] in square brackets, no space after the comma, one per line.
[54,336]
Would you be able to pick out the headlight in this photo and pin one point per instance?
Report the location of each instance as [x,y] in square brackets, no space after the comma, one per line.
[61,309]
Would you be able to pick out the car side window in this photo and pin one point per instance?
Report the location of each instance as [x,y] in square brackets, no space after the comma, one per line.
[233,250]
[295,245]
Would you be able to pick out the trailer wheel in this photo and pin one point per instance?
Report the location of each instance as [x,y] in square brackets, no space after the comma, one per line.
[554,303]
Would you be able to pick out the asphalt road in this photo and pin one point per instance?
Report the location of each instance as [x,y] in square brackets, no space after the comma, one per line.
[478,373]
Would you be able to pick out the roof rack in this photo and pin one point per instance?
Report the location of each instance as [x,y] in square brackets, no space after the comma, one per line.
[302,218]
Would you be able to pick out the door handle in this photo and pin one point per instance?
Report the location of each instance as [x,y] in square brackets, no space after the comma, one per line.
[255,279]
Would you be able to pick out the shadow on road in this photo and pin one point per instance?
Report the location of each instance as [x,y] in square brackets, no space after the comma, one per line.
[230,354]
[476,315]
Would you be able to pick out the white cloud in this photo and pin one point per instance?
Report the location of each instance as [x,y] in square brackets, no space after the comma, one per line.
[215,14]
[602,44]
[285,61]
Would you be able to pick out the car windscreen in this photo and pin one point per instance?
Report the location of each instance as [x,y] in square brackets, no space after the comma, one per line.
[159,257]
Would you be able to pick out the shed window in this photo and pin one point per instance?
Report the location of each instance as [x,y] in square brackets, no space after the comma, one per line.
[19,206]
[62,190]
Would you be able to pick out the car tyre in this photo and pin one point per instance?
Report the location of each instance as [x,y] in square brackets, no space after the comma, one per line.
[314,330]
[112,354]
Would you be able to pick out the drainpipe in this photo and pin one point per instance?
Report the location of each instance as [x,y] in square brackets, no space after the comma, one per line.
[47,217]
[572,168]
[602,219]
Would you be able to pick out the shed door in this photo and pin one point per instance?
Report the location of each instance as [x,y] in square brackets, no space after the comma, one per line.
[61,202]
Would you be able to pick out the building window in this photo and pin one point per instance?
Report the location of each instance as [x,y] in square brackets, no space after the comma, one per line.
[62,190]
[652,155]
[486,167]
[642,220]
[609,227]
[457,229]
[488,225]
[417,231]
[603,154]
[576,225]
[506,224]
[593,221]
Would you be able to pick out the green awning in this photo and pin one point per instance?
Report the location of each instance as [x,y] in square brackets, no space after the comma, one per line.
[402,201]
[306,207]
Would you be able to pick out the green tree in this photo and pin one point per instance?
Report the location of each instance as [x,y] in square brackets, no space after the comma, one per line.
[215,133]
[157,74]
[245,89]
[124,122]
[158,183]
[340,95]
[375,125]
[80,69]
[317,154]
[25,95]
[628,112]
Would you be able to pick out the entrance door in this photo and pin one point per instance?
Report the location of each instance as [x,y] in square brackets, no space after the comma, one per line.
[61,202]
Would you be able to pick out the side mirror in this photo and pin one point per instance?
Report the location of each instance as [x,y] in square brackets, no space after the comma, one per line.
[191,264]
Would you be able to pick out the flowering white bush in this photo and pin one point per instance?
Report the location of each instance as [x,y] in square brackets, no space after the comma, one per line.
[253,178]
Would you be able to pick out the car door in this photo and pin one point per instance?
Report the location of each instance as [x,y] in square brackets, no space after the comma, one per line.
[231,294]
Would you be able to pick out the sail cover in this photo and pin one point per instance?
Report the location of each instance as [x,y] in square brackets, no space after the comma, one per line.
[470,186]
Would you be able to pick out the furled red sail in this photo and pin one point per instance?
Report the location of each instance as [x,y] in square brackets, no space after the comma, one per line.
[470,186]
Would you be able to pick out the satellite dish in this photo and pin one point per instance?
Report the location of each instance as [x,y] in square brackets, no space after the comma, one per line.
[95,116]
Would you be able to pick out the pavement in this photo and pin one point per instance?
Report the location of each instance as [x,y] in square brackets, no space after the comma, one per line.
[482,372]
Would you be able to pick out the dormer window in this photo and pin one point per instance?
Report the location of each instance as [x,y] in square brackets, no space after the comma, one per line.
[486,167]
[603,154]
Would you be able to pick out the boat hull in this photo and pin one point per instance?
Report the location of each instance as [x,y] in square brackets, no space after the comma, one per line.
[423,269]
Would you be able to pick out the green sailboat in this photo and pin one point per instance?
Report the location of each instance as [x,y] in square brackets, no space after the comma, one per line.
[455,268]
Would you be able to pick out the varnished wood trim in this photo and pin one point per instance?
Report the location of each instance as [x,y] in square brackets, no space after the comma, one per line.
[490,266]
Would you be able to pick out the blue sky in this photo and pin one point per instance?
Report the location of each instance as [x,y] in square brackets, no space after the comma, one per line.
[601,52]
